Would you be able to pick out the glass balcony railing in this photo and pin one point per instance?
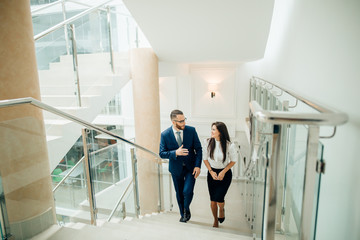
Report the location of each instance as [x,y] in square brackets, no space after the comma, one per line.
[96,180]
[81,43]
[286,161]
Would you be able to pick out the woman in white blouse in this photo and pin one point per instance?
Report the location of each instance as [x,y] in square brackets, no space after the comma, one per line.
[219,157]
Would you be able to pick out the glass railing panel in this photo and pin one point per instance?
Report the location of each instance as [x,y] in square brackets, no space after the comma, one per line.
[168,198]
[115,179]
[259,182]
[50,48]
[66,153]
[256,175]
[110,163]
[92,33]
[294,177]
[71,197]
[44,18]
[4,221]
[41,2]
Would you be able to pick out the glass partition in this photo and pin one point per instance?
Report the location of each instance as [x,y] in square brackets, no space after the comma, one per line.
[110,164]
[5,231]
[291,161]
[256,173]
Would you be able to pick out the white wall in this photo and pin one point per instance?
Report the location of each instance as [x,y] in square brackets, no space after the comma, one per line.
[314,49]
[187,87]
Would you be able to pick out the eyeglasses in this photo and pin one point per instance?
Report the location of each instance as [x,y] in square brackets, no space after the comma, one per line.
[181,121]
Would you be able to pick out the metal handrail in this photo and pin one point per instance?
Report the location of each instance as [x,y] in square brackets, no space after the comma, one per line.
[119,201]
[326,118]
[39,104]
[67,21]
[85,5]
[68,174]
[308,102]
[46,6]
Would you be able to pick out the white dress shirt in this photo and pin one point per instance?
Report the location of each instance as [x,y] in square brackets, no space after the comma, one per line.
[181,133]
[217,161]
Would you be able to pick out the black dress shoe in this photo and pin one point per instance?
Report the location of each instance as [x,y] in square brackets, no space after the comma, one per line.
[223,218]
[187,215]
[182,219]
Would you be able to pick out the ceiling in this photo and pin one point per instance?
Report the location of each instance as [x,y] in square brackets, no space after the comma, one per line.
[193,31]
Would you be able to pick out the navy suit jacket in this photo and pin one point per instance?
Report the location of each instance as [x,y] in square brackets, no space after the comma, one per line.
[168,147]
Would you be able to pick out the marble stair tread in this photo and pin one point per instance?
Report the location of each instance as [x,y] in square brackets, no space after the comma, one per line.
[80,215]
[47,233]
[176,230]
[51,138]
[170,220]
[69,96]
[69,108]
[56,121]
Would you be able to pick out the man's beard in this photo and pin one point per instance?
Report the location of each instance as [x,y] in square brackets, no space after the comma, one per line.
[180,127]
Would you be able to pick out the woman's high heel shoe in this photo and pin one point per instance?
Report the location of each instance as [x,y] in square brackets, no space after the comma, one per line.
[221,220]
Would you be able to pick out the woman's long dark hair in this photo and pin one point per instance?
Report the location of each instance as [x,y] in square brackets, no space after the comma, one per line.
[224,137]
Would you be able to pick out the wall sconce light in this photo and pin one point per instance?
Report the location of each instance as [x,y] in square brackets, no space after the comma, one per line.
[212,89]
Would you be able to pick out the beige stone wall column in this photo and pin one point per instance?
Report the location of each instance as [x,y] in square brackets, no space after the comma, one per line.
[24,164]
[144,70]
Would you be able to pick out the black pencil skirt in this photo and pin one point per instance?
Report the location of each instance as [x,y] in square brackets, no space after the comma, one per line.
[217,188]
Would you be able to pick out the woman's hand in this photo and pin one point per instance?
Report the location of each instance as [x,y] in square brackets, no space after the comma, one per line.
[213,174]
[221,175]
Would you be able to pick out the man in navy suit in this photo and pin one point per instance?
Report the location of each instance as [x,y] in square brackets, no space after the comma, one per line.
[181,145]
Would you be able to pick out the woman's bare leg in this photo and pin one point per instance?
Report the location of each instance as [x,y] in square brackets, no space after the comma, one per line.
[221,209]
[214,210]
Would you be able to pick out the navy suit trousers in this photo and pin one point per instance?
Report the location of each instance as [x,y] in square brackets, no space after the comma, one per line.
[184,188]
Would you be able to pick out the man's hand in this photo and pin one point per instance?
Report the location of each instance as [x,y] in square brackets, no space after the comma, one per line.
[182,151]
[196,172]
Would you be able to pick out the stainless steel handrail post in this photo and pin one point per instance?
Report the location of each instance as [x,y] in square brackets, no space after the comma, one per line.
[110,41]
[89,186]
[137,37]
[309,180]
[160,204]
[135,182]
[75,65]
[272,179]
[112,165]
[65,27]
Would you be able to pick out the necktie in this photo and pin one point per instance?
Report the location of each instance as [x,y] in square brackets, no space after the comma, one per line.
[178,138]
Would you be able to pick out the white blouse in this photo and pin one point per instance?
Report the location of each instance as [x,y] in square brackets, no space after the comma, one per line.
[217,162]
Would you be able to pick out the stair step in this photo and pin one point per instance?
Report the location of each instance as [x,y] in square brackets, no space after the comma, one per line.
[52,138]
[171,220]
[56,121]
[176,230]
[70,89]
[68,100]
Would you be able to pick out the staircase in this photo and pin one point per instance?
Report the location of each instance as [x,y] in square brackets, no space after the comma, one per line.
[98,85]
[163,225]
[155,226]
